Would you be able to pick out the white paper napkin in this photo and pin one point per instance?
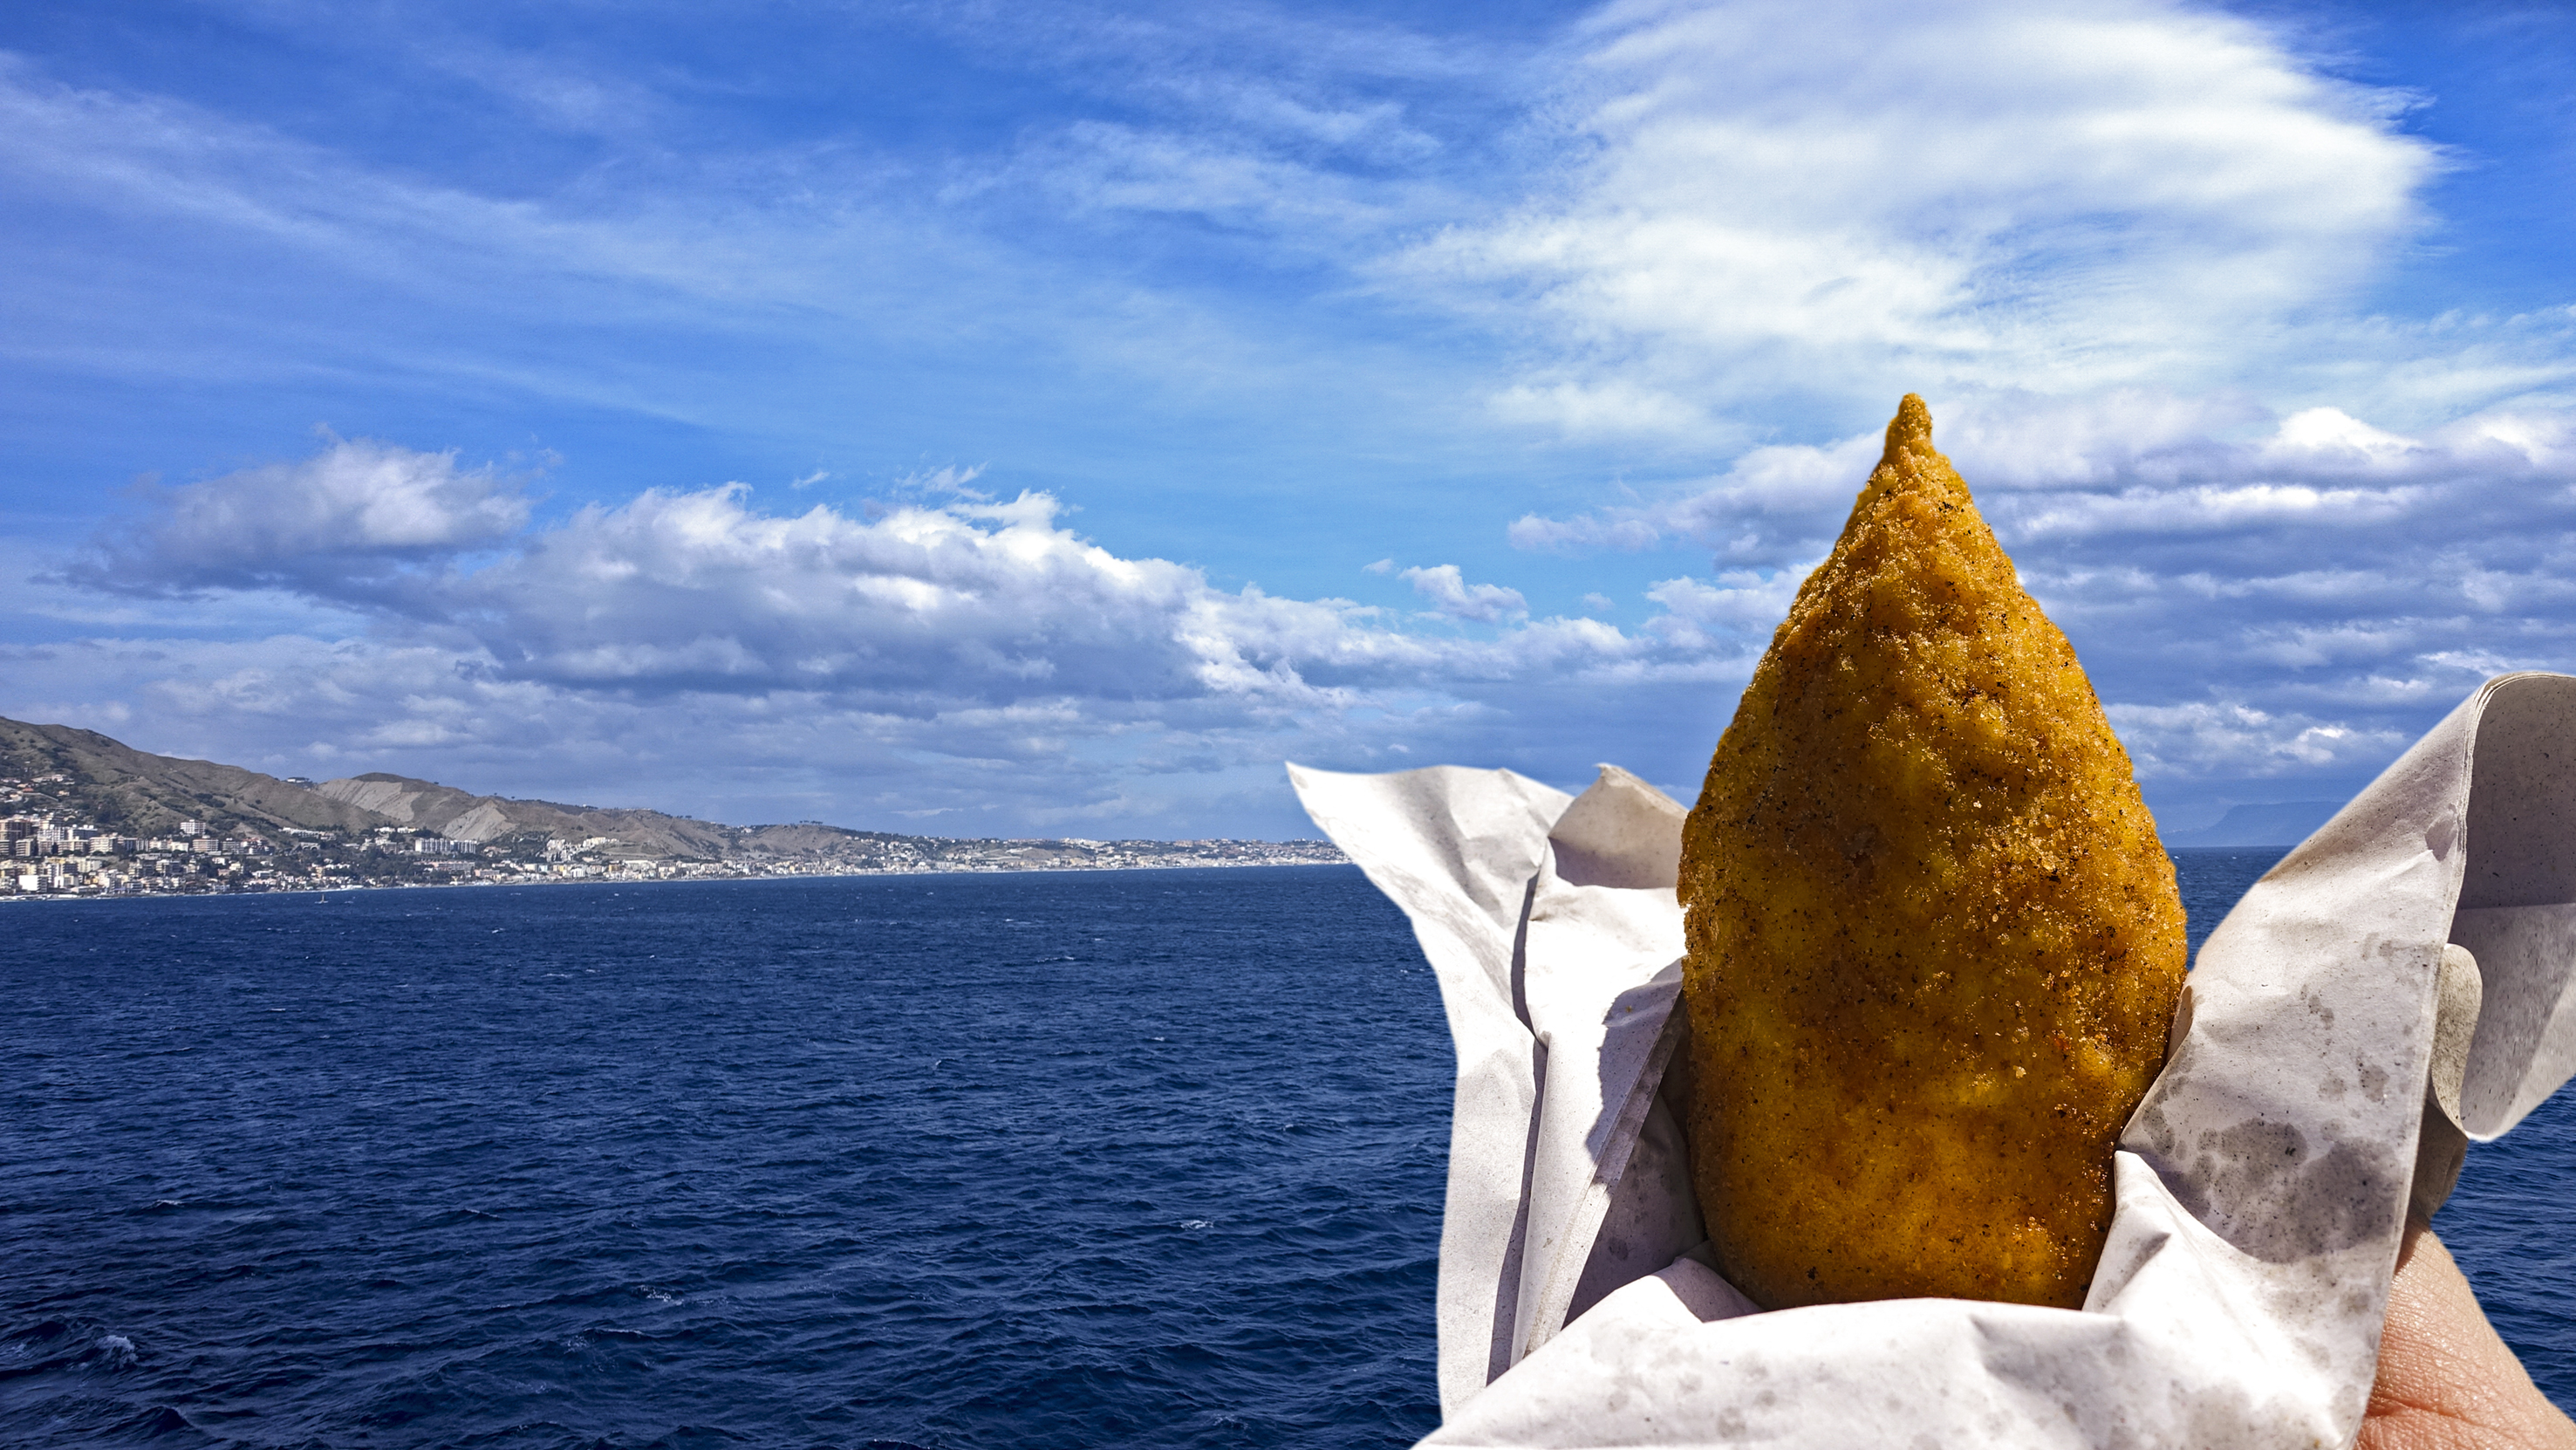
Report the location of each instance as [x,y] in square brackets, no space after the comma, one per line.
[2401,983]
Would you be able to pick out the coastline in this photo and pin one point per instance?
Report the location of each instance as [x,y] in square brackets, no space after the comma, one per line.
[660,880]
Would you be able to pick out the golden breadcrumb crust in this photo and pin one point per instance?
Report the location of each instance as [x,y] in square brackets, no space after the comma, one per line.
[1933,942]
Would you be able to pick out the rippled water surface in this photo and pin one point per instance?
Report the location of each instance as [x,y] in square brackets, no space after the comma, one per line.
[1139,1159]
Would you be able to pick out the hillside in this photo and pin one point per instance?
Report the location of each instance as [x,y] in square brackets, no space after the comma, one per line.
[457,815]
[141,794]
[2280,824]
[98,779]
[633,834]
[87,778]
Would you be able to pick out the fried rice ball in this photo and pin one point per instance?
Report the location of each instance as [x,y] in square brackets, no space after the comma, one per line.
[1934,944]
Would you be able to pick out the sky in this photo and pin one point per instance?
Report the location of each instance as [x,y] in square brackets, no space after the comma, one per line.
[1046,419]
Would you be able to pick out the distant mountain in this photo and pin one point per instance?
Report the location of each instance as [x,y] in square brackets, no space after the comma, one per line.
[637,834]
[457,815]
[141,794]
[93,779]
[2280,823]
[138,793]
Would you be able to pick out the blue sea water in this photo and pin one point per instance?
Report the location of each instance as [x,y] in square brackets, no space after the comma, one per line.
[1135,1159]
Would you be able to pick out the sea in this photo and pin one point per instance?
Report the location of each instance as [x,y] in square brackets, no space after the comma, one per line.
[1147,1158]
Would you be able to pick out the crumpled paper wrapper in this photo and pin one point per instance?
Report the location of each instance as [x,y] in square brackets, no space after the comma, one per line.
[2401,983]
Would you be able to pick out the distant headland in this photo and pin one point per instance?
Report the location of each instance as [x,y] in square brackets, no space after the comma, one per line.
[81,814]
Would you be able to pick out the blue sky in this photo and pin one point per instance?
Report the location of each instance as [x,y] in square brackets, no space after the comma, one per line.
[1046,418]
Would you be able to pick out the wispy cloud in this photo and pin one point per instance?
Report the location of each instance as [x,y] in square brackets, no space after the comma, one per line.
[1787,200]
[1434,283]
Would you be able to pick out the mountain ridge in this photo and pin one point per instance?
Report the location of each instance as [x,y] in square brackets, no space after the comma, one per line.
[135,792]
[2281,824]
[145,794]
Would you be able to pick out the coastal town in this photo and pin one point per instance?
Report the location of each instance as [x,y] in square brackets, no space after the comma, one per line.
[50,847]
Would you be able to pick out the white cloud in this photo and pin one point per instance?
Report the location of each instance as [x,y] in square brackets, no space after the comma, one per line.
[1452,595]
[1739,610]
[2130,469]
[1790,198]
[929,608]
[2258,597]
[340,524]
[2239,742]
[2288,605]
[1775,506]
[963,647]
[2112,239]
[1599,408]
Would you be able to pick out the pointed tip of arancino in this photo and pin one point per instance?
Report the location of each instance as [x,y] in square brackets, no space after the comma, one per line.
[1911,425]
[1910,457]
